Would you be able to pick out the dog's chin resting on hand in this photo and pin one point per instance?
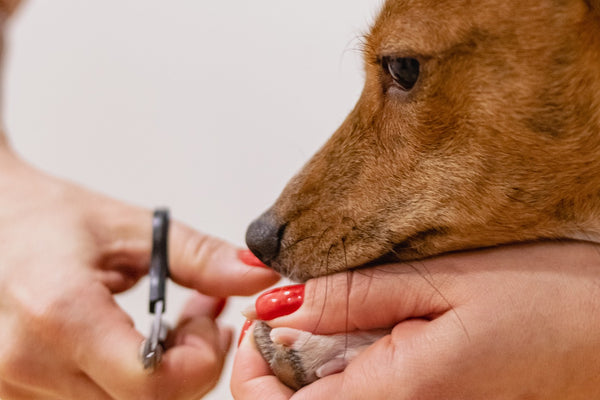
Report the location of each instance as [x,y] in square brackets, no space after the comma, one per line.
[478,125]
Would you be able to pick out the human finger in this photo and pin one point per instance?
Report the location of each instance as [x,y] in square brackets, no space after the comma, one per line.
[107,350]
[379,297]
[201,305]
[105,345]
[390,363]
[353,300]
[252,378]
[56,336]
[194,359]
[214,266]
[202,262]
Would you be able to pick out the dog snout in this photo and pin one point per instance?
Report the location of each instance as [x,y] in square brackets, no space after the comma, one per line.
[263,237]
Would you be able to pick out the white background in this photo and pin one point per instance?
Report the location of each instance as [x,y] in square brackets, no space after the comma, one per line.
[207,107]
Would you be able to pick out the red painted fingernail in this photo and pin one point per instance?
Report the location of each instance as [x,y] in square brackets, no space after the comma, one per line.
[244,330]
[250,259]
[279,302]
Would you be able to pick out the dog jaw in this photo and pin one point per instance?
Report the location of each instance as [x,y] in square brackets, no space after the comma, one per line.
[498,142]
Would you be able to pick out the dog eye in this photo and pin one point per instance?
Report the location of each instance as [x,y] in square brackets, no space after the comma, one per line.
[403,70]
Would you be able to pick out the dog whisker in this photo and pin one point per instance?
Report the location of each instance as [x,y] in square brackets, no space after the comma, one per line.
[349,277]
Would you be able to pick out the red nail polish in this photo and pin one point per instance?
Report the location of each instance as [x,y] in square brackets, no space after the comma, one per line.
[250,259]
[279,302]
[244,330]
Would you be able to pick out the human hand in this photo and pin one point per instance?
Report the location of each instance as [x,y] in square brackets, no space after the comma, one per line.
[64,252]
[509,323]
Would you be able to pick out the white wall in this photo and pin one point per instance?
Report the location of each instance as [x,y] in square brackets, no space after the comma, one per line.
[207,107]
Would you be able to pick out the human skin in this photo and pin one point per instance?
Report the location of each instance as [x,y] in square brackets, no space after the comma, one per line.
[64,253]
[518,322]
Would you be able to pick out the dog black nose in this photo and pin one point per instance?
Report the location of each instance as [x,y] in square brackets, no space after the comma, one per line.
[263,237]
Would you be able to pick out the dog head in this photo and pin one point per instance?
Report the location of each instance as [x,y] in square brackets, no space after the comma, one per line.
[479,124]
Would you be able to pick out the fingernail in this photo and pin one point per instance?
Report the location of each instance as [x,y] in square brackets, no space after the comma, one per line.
[244,330]
[248,258]
[279,302]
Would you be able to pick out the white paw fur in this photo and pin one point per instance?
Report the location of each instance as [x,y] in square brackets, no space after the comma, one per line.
[298,358]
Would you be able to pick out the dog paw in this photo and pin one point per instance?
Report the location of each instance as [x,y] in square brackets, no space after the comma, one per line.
[299,358]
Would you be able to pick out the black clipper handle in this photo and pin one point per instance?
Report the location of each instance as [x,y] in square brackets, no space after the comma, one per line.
[159,262]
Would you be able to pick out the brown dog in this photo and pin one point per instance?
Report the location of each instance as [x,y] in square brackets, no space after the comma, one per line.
[479,125]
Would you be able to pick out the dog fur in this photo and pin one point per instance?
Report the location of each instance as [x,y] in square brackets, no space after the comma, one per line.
[498,142]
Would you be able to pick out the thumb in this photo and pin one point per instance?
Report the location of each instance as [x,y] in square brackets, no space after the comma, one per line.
[198,261]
